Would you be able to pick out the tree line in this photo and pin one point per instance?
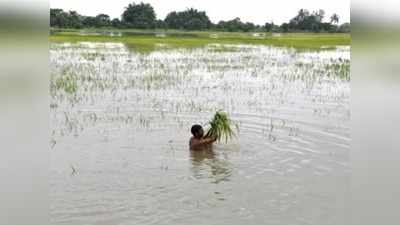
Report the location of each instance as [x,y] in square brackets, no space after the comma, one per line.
[143,16]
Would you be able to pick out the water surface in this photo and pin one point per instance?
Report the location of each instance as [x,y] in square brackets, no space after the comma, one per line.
[121,124]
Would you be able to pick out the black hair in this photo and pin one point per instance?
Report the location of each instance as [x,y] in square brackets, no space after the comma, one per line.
[196,128]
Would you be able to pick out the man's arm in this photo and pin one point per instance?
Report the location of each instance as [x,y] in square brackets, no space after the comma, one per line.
[208,140]
[202,142]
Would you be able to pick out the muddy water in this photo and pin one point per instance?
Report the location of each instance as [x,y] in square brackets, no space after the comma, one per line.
[120,130]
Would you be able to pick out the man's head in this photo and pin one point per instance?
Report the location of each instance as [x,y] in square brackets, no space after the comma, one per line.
[197,131]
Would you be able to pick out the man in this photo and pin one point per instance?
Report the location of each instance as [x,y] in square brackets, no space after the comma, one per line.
[198,141]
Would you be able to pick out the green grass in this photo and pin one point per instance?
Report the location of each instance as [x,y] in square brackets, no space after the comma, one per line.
[143,40]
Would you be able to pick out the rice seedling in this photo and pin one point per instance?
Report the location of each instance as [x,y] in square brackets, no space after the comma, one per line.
[221,127]
[250,79]
[66,82]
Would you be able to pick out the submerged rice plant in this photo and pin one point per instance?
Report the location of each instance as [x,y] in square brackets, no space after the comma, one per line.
[251,80]
[221,127]
[67,82]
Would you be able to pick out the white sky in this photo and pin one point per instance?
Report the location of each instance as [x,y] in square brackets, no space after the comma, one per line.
[256,11]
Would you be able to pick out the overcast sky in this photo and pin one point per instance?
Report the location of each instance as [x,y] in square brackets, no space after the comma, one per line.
[256,11]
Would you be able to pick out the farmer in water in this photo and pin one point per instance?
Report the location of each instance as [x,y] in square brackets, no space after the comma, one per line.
[198,141]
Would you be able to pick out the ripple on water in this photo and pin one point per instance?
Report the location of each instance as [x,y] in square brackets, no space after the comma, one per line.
[121,119]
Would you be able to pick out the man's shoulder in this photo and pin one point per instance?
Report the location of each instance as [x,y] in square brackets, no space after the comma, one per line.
[194,140]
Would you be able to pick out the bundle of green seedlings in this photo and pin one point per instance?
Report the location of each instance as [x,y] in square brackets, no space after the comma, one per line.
[221,127]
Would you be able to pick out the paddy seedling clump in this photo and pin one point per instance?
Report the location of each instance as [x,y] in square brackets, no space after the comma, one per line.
[221,127]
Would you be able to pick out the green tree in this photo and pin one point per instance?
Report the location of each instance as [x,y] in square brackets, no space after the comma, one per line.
[143,16]
[344,28]
[335,18]
[236,25]
[161,24]
[303,13]
[268,27]
[89,21]
[102,20]
[75,20]
[304,21]
[328,27]
[285,27]
[58,18]
[319,15]
[190,19]
[116,23]
[139,16]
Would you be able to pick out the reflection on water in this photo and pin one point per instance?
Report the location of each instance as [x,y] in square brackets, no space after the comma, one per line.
[121,120]
[207,164]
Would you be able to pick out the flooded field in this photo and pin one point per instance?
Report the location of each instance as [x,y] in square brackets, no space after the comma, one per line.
[121,124]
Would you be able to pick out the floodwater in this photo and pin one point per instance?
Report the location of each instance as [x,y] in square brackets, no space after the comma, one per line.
[121,123]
